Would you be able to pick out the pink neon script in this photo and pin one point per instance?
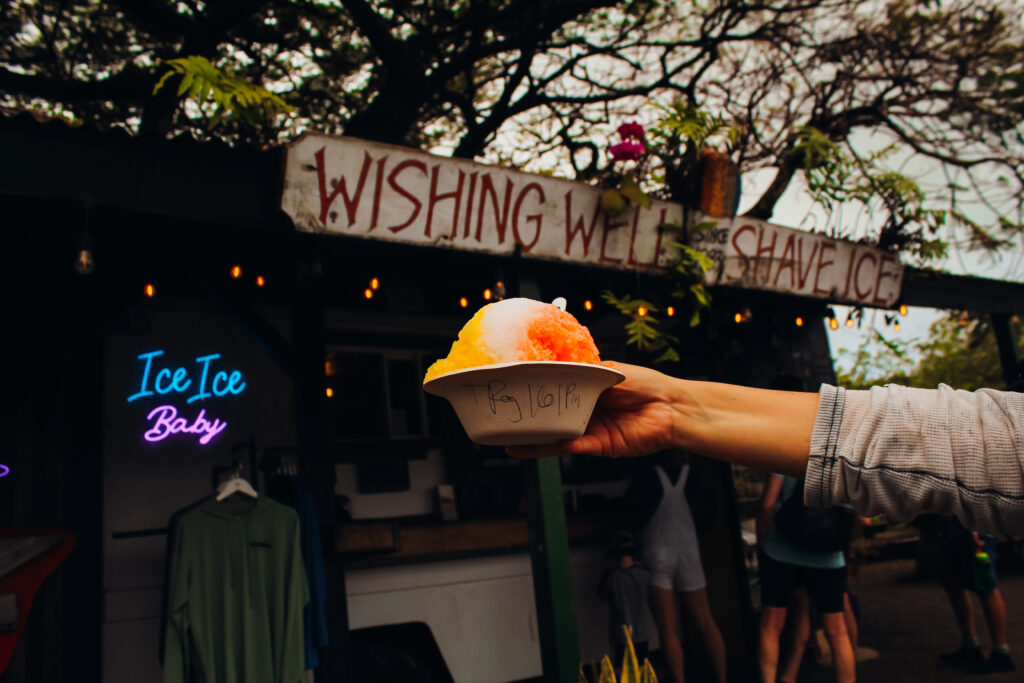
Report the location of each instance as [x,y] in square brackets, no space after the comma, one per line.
[166,422]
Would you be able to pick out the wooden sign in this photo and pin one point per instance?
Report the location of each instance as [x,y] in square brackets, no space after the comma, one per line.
[365,189]
[371,190]
[755,254]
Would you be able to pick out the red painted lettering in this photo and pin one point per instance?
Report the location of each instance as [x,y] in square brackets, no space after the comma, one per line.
[802,273]
[535,218]
[744,259]
[609,227]
[882,275]
[377,189]
[631,259]
[500,216]
[786,261]
[393,182]
[572,230]
[469,205]
[435,197]
[822,264]
[351,202]
[761,251]
[856,274]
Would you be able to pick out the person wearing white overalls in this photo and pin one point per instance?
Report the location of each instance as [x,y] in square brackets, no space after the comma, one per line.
[670,552]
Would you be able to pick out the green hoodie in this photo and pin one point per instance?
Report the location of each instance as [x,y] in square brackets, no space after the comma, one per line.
[235,595]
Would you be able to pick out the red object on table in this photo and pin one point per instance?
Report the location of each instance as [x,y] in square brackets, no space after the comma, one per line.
[23,579]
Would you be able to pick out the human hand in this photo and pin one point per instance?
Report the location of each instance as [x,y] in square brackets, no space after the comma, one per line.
[635,417]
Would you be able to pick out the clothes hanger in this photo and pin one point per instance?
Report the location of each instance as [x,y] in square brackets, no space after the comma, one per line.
[235,484]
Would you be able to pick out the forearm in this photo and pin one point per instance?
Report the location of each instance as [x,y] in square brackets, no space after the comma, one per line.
[767,430]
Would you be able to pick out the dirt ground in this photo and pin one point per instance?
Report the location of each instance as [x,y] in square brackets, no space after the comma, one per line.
[908,621]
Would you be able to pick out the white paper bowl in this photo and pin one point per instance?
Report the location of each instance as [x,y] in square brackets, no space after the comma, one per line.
[524,403]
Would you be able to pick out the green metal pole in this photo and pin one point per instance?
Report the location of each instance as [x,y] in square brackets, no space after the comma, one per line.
[552,572]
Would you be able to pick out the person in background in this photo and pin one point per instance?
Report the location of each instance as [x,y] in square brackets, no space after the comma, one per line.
[890,450]
[624,587]
[670,550]
[968,564]
[785,566]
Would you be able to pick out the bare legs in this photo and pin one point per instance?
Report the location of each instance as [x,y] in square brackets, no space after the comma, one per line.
[663,606]
[773,619]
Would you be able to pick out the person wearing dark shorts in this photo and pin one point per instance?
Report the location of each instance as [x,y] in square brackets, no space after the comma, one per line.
[785,567]
[969,564]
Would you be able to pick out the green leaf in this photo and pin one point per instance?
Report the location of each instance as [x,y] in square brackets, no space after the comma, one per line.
[632,191]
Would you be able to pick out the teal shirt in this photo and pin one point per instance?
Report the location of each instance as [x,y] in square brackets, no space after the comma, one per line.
[236,592]
[781,550]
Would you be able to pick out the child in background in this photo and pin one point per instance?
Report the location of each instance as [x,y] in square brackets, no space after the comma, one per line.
[624,587]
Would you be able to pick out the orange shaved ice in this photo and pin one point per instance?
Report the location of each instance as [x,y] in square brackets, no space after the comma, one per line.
[518,330]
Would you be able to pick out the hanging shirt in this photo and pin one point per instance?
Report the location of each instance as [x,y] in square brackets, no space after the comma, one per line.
[237,588]
[296,493]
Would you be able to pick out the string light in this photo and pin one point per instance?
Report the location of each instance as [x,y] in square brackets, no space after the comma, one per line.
[588,305]
[849,321]
[374,284]
[642,311]
[903,309]
[368,293]
[738,318]
[463,302]
[833,324]
[488,294]
[799,321]
[330,392]
[150,290]
[260,281]
[671,311]
[896,327]
[236,272]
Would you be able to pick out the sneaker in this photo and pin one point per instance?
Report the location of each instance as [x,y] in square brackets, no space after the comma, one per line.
[997,662]
[967,655]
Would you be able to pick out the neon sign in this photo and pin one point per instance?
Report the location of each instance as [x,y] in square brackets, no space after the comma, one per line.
[4,470]
[175,382]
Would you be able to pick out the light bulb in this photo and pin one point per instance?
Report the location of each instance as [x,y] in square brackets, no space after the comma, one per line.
[260,281]
[150,290]
[84,263]
[849,322]
[642,311]
[463,302]
[671,311]
[330,392]
[799,321]
[833,324]
[588,305]
[368,293]
[488,294]
[374,283]
[903,309]
[236,272]
[738,317]
[896,327]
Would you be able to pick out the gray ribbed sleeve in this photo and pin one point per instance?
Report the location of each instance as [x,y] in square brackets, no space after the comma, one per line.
[902,452]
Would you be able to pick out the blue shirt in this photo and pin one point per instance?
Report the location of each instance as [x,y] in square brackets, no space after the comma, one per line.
[783,550]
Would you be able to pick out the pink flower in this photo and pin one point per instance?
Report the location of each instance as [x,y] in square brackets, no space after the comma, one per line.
[627,150]
[631,130]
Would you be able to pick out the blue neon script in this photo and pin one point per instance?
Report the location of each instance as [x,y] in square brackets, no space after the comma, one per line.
[167,380]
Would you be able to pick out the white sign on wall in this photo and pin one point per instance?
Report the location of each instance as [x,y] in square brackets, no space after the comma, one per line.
[365,189]
[371,190]
[758,255]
